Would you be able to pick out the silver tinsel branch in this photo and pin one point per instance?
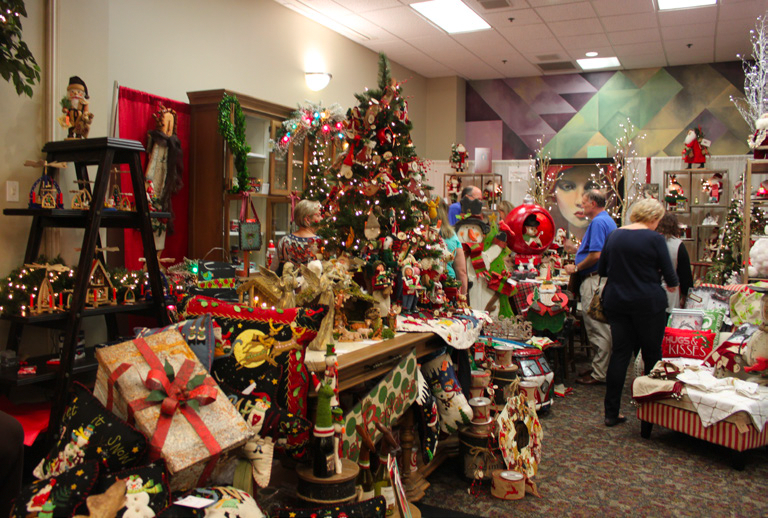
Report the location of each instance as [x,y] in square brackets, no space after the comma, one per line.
[623,181]
[541,187]
[754,102]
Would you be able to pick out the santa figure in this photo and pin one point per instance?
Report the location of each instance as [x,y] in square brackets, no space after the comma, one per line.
[759,138]
[715,185]
[694,153]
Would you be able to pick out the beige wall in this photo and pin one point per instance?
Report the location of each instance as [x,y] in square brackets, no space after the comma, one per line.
[446,100]
[170,47]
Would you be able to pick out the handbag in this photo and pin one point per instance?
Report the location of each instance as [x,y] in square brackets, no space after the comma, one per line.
[250,229]
[595,309]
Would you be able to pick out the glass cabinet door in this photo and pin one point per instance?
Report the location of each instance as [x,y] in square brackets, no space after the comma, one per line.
[298,166]
[279,181]
[280,215]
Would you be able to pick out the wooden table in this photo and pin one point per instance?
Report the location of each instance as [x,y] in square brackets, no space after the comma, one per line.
[361,362]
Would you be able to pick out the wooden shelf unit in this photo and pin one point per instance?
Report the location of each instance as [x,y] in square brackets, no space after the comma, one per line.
[754,167]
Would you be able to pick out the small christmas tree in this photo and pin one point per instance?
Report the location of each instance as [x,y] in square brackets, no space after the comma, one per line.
[728,264]
[376,184]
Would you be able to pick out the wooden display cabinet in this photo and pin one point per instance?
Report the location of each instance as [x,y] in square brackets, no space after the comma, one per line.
[703,211]
[212,174]
[755,173]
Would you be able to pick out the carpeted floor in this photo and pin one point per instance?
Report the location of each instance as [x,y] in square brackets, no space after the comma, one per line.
[591,470]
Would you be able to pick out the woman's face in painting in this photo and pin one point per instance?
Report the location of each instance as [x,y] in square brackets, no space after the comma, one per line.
[569,189]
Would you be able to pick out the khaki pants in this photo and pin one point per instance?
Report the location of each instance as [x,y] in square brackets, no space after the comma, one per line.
[598,333]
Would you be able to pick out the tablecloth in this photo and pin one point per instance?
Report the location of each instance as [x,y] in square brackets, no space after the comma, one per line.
[458,331]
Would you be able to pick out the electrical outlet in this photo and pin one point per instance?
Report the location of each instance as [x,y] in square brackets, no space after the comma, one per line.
[11,191]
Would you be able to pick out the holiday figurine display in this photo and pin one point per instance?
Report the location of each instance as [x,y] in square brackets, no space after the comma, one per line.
[675,195]
[45,192]
[323,461]
[76,117]
[411,286]
[696,148]
[757,140]
[532,231]
[714,187]
[454,187]
[458,157]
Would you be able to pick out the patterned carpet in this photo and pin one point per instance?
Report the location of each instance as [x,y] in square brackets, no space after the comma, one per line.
[591,470]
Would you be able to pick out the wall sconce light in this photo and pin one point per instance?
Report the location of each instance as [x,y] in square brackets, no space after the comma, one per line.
[316,81]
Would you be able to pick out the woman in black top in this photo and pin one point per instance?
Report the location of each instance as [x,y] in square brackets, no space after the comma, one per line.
[669,227]
[634,259]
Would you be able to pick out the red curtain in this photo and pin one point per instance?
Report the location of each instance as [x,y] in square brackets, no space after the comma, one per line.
[135,110]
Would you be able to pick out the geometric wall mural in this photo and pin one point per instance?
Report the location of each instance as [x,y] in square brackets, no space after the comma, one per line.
[573,112]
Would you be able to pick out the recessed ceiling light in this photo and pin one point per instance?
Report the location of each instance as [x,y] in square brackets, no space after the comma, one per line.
[683,4]
[452,16]
[591,54]
[595,63]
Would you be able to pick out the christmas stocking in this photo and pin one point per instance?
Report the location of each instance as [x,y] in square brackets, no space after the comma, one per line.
[451,403]
[427,417]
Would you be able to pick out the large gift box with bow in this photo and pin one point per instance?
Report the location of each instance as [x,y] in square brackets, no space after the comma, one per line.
[159,382]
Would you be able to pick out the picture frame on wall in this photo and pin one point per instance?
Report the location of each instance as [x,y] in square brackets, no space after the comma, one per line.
[568,180]
[651,190]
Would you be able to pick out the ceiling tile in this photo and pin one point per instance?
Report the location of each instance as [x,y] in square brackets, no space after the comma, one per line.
[421,64]
[634,49]
[636,36]
[531,34]
[561,12]
[362,6]
[694,30]
[678,59]
[617,7]
[365,27]
[521,70]
[402,21]
[544,3]
[501,17]
[738,29]
[579,53]
[644,61]
[437,44]
[589,26]
[740,10]
[630,21]
[584,41]
[699,47]
[683,17]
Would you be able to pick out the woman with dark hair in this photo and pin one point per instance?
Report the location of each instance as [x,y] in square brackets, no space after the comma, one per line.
[669,227]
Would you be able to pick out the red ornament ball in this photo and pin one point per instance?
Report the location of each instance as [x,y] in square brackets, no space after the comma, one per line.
[533,216]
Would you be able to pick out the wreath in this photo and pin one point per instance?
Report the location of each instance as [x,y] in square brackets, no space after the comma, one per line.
[234,135]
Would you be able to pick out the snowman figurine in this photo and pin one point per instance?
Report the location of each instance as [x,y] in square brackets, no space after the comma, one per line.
[137,497]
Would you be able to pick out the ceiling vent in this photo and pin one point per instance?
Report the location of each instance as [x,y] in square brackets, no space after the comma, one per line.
[494,4]
[557,66]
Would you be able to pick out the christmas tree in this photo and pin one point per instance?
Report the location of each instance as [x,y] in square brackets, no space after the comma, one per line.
[728,264]
[376,185]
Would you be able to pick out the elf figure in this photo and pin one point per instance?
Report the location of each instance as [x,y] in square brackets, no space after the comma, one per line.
[411,285]
[694,152]
[137,497]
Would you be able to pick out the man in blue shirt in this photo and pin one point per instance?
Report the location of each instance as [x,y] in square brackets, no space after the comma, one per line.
[454,209]
[587,257]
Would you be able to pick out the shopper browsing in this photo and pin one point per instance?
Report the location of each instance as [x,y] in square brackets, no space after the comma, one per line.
[633,298]
[472,192]
[681,262]
[587,257]
[301,246]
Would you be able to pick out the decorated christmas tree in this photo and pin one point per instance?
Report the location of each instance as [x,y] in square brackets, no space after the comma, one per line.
[728,264]
[376,185]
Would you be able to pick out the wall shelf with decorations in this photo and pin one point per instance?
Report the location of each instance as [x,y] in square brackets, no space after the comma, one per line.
[490,183]
[213,223]
[699,198]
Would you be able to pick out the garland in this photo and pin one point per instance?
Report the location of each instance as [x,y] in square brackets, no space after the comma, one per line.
[235,138]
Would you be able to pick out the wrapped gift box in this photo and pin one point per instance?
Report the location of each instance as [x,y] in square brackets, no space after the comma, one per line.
[199,442]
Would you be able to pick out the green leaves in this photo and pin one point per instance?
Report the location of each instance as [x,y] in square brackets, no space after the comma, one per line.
[156,396]
[196,381]
[234,135]
[17,64]
[169,371]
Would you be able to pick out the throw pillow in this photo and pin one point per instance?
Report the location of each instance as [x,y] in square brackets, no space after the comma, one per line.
[59,495]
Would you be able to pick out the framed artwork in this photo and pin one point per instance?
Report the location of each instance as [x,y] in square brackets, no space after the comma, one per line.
[651,190]
[567,180]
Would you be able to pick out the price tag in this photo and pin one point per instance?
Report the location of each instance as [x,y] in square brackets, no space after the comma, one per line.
[195,502]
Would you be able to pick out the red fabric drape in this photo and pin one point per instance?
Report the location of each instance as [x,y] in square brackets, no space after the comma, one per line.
[135,110]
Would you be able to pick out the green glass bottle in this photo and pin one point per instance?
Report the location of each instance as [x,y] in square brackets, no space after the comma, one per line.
[364,480]
[383,484]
